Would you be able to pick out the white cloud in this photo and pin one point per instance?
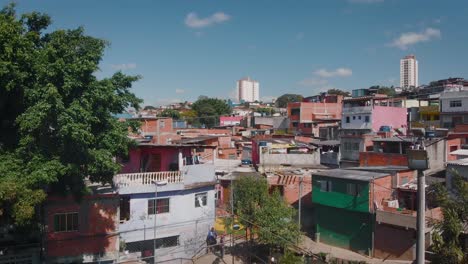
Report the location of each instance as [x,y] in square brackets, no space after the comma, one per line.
[313,82]
[179,91]
[365,1]
[340,72]
[124,66]
[410,38]
[193,21]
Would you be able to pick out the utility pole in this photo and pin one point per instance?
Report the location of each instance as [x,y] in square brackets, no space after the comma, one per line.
[232,219]
[421,218]
[301,178]
[418,160]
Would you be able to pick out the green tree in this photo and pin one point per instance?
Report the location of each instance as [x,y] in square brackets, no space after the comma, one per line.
[447,244]
[338,92]
[290,258]
[57,118]
[210,109]
[276,221]
[269,217]
[265,110]
[389,91]
[284,99]
[174,114]
[149,107]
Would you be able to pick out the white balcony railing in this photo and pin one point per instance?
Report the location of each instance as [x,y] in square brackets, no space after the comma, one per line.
[147,178]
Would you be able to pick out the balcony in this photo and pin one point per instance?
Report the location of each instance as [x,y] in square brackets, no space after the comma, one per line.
[188,177]
[431,109]
[357,109]
[406,218]
[425,124]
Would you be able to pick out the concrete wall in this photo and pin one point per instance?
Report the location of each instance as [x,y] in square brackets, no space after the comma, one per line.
[185,220]
[396,117]
[382,159]
[97,226]
[437,156]
[309,159]
[290,186]
[331,158]
[380,190]
[394,243]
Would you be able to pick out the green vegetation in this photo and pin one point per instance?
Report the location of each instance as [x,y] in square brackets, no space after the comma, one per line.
[283,100]
[447,243]
[338,92]
[57,118]
[267,217]
[174,114]
[209,110]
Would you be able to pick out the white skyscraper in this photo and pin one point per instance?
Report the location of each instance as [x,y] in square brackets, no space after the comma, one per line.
[248,90]
[409,72]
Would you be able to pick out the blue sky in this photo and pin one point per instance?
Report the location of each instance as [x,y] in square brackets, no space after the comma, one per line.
[184,49]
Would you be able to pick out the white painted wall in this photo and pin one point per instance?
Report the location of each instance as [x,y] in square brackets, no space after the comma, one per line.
[445,103]
[185,220]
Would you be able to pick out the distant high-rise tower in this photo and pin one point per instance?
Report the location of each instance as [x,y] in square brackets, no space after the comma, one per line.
[248,90]
[409,72]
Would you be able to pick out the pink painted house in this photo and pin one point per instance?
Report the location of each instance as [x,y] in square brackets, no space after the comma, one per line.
[363,118]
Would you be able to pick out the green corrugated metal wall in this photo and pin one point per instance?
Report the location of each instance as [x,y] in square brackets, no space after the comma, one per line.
[338,197]
[343,228]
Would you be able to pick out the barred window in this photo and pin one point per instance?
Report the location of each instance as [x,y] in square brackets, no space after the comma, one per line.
[201,199]
[66,222]
[162,206]
[456,103]
[166,242]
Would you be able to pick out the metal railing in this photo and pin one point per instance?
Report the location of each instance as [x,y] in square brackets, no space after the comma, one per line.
[147,178]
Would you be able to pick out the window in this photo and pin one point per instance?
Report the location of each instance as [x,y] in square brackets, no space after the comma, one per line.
[353,189]
[404,180]
[161,124]
[166,242]
[124,208]
[455,103]
[354,117]
[325,186]
[366,119]
[201,199]
[355,146]
[359,117]
[295,111]
[347,119]
[66,222]
[161,207]
[307,125]
[294,124]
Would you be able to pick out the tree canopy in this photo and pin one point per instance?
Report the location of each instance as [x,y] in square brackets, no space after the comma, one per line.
[447,241]
[210,109]
[57,124]
[266,215]
[338,92]
[174,114]
[284,99]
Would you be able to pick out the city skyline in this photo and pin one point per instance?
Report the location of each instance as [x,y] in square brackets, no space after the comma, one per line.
[183,50]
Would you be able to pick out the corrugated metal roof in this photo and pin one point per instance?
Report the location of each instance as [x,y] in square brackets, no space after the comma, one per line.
[381,168]
[351,174]
[461,152]
[460,162]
